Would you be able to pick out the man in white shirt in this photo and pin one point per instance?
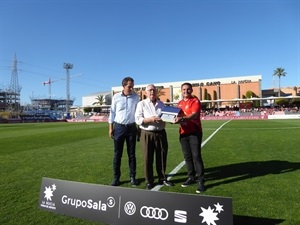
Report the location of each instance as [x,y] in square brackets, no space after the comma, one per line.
[153,137]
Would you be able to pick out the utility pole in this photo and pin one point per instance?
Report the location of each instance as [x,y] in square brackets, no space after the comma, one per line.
[15,88]
[68,66]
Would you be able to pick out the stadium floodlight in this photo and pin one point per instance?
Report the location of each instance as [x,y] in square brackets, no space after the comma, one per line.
[68,66]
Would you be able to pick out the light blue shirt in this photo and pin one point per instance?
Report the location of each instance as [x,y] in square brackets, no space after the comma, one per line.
[122,108]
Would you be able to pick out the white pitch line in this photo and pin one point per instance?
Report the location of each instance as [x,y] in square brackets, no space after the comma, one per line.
[180,165]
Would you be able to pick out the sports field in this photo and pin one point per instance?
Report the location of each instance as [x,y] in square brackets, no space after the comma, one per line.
[256,163]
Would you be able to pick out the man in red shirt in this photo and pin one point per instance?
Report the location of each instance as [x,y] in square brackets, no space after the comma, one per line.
[191,136]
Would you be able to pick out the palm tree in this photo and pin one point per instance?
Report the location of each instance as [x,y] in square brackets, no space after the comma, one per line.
[100,100]
[138,92]
[160,92]
[280,73]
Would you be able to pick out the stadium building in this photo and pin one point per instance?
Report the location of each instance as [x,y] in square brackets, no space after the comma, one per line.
[214,93]
[240,92]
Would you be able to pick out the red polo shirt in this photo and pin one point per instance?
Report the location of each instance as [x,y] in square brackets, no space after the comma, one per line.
[188,107]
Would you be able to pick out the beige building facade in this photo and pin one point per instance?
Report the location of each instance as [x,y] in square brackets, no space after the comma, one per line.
[216,89]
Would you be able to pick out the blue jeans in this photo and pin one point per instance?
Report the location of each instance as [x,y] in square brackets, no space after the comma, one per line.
[124,133]
[191,149]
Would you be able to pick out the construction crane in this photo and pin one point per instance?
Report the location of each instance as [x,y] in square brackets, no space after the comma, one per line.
[49,82]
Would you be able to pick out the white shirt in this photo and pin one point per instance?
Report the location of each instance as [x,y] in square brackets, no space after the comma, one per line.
[146,109]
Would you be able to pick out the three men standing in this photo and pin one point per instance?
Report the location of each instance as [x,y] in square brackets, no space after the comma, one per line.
[127,110]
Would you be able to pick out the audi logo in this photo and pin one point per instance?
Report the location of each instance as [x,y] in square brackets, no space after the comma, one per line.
[154,213]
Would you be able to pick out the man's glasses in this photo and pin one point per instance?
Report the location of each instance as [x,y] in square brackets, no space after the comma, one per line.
[154,90]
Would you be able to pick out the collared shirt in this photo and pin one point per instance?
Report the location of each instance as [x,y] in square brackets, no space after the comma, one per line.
[123,108]
[188,107]
[146,109]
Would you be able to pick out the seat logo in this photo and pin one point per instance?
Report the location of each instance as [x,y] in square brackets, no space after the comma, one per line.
[180,216]
[154,213]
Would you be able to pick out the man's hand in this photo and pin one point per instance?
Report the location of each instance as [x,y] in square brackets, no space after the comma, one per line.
[156,119]
[111,132]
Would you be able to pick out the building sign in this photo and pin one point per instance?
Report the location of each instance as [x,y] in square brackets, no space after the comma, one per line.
[144,88]
[244,81]
[241,81]
[123,206]
[214,83]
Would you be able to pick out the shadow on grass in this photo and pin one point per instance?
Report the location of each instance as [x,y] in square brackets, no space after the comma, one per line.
[241,171]
[247,220]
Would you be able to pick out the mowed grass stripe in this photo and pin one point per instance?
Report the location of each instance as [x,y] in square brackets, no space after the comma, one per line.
[55,134]
[258,168]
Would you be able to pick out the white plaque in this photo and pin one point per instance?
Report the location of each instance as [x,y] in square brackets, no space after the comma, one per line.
[169,113]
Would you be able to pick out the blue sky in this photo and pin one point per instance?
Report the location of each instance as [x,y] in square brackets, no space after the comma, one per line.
[153,41]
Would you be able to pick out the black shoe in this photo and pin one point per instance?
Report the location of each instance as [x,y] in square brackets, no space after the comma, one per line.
[134,182]
[149,186]
[168,183]
[200,188]
[188,182]
[160,182]
[115,182]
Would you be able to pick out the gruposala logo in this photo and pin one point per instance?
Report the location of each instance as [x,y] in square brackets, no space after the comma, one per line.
[49,192]
[210,215]
[48,196]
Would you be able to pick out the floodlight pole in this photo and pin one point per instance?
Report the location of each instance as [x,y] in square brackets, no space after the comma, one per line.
[68,66]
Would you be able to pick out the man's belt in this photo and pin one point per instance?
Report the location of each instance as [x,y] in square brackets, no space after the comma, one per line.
[125,125]
[154,131]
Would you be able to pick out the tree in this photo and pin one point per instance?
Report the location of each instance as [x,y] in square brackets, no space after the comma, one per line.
[160,92]
[100,100]
[215,94]
[205,94]
[279,72]
[138,92]
[250,94]
[176,97]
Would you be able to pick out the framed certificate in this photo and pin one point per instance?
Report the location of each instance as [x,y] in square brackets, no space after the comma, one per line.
[168,113]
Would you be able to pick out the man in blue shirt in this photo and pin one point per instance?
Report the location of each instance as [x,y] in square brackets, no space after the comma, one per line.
[122,128]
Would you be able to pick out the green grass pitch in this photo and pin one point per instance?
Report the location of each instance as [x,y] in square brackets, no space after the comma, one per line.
[256,163]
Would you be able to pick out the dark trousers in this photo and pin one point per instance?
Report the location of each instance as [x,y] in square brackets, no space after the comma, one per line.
[124,133]
[154,144]
[191,149]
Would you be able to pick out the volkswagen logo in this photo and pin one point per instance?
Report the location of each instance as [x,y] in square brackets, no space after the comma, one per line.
[154,213]
[129,208]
